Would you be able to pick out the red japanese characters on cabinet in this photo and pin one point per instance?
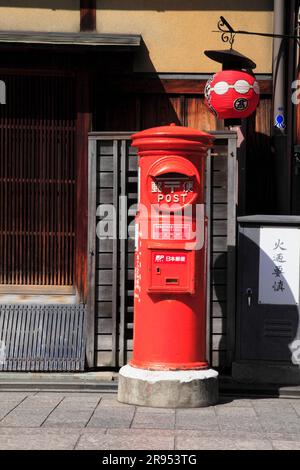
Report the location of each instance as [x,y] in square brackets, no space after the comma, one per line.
[232,94]
[170,263]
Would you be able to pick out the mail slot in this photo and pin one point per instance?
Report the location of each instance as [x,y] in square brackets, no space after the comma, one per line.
[171,250]
[173,182]
[171,271]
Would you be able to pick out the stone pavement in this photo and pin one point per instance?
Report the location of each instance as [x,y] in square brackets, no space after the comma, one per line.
[92,420]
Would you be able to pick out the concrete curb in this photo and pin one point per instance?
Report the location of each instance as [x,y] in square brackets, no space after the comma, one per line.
[30,381]
[105,382]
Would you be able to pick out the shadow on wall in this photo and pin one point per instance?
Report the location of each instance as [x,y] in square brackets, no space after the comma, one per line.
[125,102]
[142,55]
[261,194]
[158,5]
[188,5]
[48,4]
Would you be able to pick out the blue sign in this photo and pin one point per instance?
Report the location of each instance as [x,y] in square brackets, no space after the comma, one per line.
[279,121]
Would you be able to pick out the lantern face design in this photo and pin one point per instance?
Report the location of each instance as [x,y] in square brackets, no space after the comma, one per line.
[232,94]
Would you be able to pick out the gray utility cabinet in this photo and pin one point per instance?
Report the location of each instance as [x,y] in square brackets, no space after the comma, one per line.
[267,326]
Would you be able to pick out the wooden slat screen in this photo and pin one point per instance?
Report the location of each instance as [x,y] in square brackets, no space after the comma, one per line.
[114,270]
[217,187]
[37,180]
[114,258]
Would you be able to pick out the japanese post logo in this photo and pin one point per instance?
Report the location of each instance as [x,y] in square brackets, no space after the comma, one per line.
[159,258]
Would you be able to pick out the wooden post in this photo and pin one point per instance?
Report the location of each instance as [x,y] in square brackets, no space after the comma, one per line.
[90,320]
[83,127]
[88,15]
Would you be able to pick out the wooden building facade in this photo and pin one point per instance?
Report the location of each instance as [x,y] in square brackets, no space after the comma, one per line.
[45,190]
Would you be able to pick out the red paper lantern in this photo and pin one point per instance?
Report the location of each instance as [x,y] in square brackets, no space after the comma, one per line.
[232,94]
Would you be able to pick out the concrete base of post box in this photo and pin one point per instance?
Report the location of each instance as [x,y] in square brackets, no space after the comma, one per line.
[168,389]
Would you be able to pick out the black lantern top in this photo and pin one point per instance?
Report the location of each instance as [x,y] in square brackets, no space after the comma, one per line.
[231,59]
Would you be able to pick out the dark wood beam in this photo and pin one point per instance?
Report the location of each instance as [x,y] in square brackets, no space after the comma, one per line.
[20,39]
[83,127]
[156,85]
[88,15]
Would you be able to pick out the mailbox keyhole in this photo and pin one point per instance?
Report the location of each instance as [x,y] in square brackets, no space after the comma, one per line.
[157,270]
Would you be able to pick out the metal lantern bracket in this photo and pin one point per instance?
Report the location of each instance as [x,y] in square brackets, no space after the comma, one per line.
[228,33]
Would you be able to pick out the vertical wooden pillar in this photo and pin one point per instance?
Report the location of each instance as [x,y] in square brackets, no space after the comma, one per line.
[87,23]
[83,127]
[88,15]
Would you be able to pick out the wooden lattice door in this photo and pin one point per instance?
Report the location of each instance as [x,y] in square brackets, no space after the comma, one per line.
[37,180]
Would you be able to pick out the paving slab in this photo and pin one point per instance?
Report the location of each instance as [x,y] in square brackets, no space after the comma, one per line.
[8,396]
[254,444]
[276,436]
[32,412]
[73,411]
[286,445]
[275,409]
[156,420]
[38,439]
[200,418]
[112,417]
[280,425]
[220,442]
[9,401]
[235,412]
[70,419]
[234,402]
[241,423]
[111,400]
[296,405]
[133,439]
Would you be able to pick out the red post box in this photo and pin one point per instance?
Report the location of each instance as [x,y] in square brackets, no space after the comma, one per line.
[171,253]
[169,367]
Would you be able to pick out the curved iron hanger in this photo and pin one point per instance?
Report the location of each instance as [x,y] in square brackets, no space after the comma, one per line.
[228,33]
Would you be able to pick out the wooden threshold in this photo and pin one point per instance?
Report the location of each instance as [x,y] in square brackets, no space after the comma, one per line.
[36,290]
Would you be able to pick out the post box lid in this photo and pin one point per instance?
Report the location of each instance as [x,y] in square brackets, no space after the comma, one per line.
[172,136]
[174,131]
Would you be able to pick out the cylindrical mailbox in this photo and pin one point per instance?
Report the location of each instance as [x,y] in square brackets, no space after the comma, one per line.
[171,250]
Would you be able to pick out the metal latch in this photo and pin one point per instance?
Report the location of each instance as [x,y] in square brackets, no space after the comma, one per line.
[297,160]
[249,296]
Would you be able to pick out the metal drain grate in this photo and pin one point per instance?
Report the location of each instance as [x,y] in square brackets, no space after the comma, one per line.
[42,337]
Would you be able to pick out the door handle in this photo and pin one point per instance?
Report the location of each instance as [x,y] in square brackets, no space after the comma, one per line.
[249,296]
